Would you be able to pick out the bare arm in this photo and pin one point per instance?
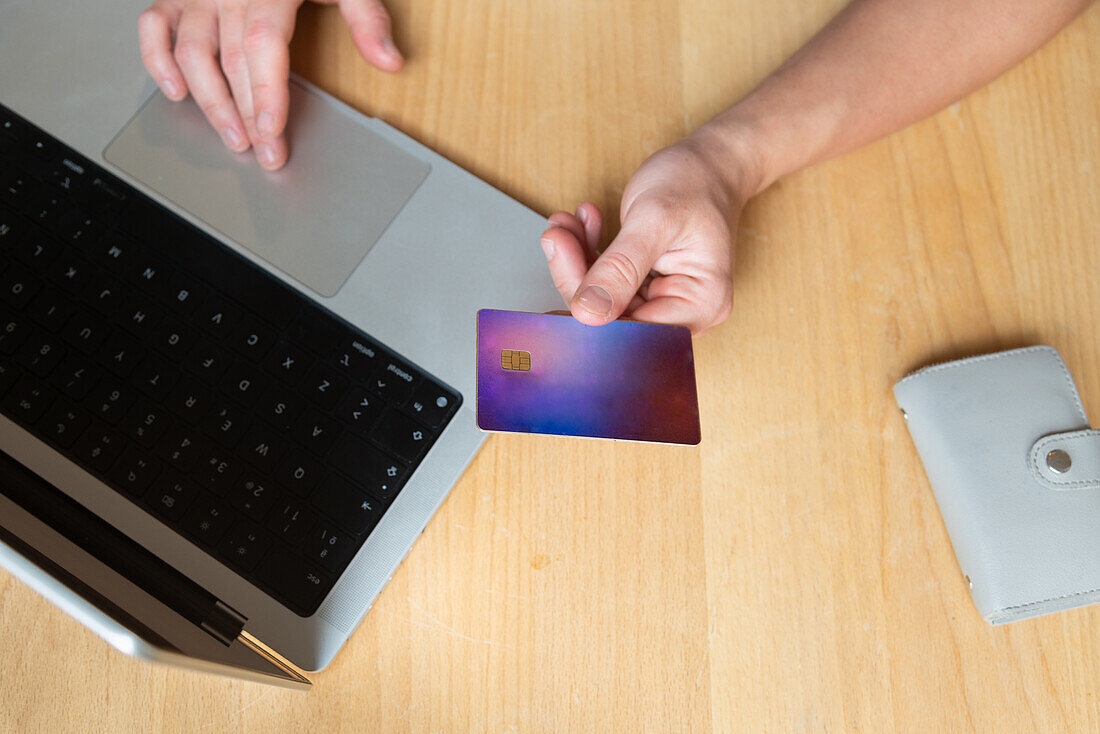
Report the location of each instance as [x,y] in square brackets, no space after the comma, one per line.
[877,67]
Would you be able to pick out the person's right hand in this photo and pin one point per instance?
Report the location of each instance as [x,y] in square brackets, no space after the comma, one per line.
[234,58]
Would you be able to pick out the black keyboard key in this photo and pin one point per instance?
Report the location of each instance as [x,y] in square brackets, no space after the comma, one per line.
[293,579]
[145,423]
[76,377]
[86,331]
[208,361]
[218,472]
[18,286]
[280,406]
[151,273]
[155,377]
[252,339]
[394,382]
[207,521]
[347,505]
[402,435]
[331,547]
[135,471]
[359,358]
[115,255]
[15,187]
[13,330]
[226,423]
[316,431]
[360,409]
[431,404]
[106,296]
[170,496]
[244,383]
[12,230]
[41,353]
[218,317]
[324,385]
[244,545]
[183,292]
[52,309]
[190,401]
[79,227]
[28,400]
[121,353]
[299,473]
[253,496]
[9,375]
[36,250]
[62,426]
[290,521]
[315,333]
[110,400]
[367,466]
[184,448]
[288,362]
[173,339]
[98,447]
[140,315]
[72,273]
[262,446]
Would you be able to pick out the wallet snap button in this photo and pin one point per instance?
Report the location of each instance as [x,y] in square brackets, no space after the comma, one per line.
[1058,461]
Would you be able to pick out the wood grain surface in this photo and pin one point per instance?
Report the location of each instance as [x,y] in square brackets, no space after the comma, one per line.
[793,572]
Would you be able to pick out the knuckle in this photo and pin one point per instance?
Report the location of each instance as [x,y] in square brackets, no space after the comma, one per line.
[622,269]
[233,61]
[260,34]
[189,51]
[150,19]
[211,109]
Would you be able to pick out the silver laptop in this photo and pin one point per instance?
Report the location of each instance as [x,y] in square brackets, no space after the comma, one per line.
[316,326]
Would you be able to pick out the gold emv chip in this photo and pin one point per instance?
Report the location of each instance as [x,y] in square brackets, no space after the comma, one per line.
[515,359]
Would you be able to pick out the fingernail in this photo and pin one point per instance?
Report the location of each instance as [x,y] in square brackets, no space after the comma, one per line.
[265,123]
[582,214]
[232,138]
[266,154]
[390,49]
[169,88]
[547,247]
[595,299]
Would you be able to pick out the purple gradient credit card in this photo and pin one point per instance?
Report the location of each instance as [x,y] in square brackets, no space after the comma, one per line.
[549,373]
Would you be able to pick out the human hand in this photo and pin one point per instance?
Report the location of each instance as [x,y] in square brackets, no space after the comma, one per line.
[672,261]
[234,58]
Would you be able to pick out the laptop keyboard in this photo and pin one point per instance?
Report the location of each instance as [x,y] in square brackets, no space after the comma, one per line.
[240,414]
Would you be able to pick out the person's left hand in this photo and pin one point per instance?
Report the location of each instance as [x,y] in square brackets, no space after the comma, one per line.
[671,262]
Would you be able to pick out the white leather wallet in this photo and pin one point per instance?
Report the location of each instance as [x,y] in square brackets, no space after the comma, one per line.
[1016,472]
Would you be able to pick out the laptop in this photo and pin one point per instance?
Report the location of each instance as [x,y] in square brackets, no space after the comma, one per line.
[230,400]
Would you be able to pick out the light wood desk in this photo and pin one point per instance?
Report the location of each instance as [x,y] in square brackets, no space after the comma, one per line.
[793,573]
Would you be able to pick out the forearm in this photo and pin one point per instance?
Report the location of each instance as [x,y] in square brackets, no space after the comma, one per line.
[877,67]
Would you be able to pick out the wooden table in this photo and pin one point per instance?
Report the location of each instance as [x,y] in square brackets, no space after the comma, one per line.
[792,573]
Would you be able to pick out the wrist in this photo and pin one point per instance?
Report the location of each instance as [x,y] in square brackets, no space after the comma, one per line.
[733,152]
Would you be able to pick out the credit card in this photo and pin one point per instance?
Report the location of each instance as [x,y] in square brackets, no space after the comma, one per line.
[551,374]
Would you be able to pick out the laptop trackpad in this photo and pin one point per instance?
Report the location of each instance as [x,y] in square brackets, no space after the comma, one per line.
[315,219]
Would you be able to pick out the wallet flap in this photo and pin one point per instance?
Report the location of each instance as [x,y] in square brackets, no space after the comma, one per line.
[1067,460]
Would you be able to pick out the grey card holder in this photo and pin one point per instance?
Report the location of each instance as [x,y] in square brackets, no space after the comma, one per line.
[1016,473]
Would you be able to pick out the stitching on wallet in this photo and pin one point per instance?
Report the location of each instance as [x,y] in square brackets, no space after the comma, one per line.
[1010,353]
[1053,598]
[1060,438]
[973,360]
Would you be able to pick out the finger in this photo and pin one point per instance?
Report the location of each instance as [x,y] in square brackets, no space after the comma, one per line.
[565,257]
[268,26]
[235,67]
[371,31]
[693,302]
[590,217]
[614,278]
[156,26]
[571,223]
[196,49]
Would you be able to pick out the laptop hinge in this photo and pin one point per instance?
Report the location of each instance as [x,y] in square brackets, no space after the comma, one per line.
[271,656]
[224,623]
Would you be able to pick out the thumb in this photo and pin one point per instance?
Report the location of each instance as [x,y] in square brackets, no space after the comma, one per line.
[614,278]
[370,30]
